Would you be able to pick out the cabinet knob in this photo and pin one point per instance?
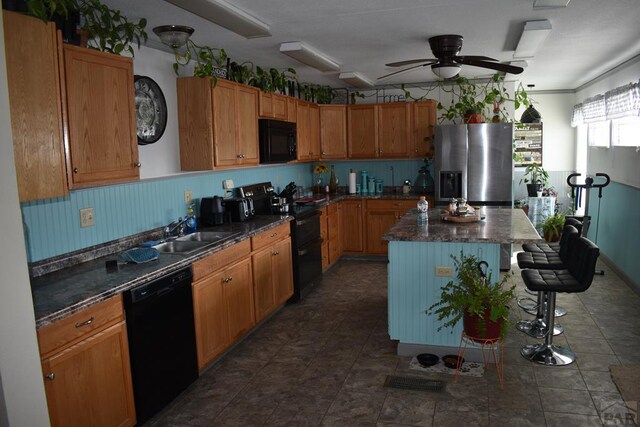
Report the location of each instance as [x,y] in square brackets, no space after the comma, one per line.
[138,164]
[239,156]
[323,153]
[50,376]
[75,170]
[242,155]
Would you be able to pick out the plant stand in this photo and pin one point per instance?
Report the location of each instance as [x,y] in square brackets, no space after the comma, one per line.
[494,346]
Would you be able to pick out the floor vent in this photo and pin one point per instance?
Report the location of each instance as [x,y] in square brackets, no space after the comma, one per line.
[413,383]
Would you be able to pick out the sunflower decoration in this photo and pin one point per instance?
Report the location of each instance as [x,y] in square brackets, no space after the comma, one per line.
[320,168]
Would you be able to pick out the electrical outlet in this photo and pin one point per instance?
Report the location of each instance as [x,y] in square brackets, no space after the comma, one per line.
[86,217]
[188,197]
[443,271]
[227,184]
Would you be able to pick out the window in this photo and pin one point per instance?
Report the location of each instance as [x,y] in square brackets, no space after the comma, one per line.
[599,134]
[625,131]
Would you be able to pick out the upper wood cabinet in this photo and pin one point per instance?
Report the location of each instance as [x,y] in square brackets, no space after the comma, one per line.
[218,126]
[314,132]
[362,131]
[273,106]
[292,113]
[303,131]
[333,131]
[394,130]
[101,118]
[424,120]
[35,101]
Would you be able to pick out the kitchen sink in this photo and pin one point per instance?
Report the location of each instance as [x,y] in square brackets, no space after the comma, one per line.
[181,247]
[207,236]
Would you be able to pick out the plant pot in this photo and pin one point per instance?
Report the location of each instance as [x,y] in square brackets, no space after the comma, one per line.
[473,118]
[481,328]
[552,235]
[532,189]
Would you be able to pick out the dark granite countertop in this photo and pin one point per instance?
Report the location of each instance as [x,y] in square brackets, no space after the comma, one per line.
[333,198]
[501,225]
[66,291]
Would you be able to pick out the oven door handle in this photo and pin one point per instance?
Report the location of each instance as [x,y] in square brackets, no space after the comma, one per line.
[301,222]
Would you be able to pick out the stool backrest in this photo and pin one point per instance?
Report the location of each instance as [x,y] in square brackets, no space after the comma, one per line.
[575,222]
[568,232]
[581,263]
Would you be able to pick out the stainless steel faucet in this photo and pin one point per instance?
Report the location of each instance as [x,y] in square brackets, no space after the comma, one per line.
[176,228]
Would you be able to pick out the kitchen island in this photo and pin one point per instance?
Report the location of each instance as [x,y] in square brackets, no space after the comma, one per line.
[417,254]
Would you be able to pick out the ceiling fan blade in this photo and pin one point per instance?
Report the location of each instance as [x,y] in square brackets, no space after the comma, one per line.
[402,71]
[409,62]
[491,65]
[479,58]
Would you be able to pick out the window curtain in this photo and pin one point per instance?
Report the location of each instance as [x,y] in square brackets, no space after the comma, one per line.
[620,102]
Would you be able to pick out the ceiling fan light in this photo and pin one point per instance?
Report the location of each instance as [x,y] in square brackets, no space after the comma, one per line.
[173,36]
[445,71]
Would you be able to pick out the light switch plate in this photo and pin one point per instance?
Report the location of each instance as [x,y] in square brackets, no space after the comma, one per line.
[86,217]
[188,197]
[227,184]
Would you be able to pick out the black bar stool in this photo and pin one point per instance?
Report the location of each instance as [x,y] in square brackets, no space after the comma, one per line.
[577,277]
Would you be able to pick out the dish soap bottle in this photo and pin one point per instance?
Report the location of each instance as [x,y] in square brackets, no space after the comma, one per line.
[333,182]
[423,207]
[190,223]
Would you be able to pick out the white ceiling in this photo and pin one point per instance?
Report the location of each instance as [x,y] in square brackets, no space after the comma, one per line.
[589,37]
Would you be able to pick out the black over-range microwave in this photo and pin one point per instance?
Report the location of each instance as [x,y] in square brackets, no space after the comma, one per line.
[277,141]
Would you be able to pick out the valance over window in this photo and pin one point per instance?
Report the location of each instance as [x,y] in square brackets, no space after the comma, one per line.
[620,102]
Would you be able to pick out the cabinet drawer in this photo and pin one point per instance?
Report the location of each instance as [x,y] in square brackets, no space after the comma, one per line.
[221,259]
[268,237]
[80,324]
[395,205]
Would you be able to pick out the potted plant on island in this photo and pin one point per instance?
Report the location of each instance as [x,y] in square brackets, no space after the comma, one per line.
[482,305]
[552,227]
[536,179]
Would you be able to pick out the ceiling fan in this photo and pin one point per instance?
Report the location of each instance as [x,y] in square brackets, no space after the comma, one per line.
[447,62]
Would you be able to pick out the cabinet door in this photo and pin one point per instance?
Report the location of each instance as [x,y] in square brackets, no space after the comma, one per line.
[394,130]
[224,124]
[325,238]
[238,295]
[90,383]
[103,145]
[210,318]
[195,123]
[265,105]
[302,131]
[424,120]
[35,102]
[247,125]
[333,131]
[362,135]
[351,229]
[333,231]
[314,132]
[282,271]
[292,113]
[279,107]
[378,223]
[264,298]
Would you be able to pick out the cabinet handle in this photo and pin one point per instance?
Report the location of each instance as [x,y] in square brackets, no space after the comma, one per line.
[242,155]
[138,164]
[274,253]
[239,156]
[50,376]
[277,253]
[274,235]
[323,153]
[75,170]
[85,323]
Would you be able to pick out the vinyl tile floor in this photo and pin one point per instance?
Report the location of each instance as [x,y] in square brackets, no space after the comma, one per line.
[323,362]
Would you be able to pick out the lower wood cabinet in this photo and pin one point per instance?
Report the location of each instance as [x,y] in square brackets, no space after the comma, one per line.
[85,363]
[380,216]
[352,229]
[223,309]
[324,248]
[334,232]
[272,277]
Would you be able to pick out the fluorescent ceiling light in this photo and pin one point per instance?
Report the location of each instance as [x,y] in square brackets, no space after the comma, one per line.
[445,71]
[307,55]
[356,80]
[226,15]
[550,4]
[533,35]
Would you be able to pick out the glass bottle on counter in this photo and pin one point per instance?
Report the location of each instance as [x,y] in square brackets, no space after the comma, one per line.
[423,207]
[333,182]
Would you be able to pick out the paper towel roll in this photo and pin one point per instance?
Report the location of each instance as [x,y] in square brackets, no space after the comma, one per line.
[352,183]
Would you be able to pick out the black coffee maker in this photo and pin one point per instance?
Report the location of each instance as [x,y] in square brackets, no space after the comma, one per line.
[211,211]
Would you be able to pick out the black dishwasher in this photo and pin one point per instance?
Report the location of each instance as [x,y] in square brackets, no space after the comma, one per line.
[162,344]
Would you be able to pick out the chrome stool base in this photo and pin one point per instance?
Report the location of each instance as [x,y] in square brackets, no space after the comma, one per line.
[537,328]
[560,311]
[548,354]
[529,307]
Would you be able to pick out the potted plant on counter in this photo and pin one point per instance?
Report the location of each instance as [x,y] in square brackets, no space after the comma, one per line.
[482,305]
[536,179]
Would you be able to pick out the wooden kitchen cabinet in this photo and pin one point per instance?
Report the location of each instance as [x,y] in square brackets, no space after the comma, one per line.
[314,132]
[334,219]
[362,131]
[333,131]
[381,215]
[424,120]
[303,131]
[85,362]
[101,118]
[324,248]
[272,106]
[394,130]
[292,113]
[35,100]
[351,229]
[218,126]
[223,309]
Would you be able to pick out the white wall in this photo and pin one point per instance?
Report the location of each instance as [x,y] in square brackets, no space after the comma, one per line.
[23,401]
[161,158]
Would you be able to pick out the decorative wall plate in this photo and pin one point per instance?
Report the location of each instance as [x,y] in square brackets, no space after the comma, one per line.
[151,110]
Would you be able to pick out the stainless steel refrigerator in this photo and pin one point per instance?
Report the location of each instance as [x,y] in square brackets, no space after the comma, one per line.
[475,161]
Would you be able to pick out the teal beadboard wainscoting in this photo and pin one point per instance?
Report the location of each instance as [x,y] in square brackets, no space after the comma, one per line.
[619,228]
[52,226]
[413,287]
